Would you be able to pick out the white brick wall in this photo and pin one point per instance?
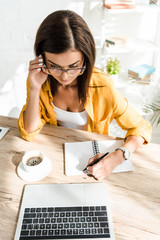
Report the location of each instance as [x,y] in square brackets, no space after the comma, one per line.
[19,21]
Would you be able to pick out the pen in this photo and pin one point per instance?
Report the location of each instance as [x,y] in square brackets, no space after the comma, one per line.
[96,161]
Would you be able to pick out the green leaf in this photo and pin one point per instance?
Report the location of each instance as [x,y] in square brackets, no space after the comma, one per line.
[113,66]
[155,108]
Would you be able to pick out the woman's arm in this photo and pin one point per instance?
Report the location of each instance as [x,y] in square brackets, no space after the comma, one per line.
[31,114]
[36,77]
[138,130]
[132,143]
[104,167]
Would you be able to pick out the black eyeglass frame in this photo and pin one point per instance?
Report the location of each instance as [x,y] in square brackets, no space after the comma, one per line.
[82,69]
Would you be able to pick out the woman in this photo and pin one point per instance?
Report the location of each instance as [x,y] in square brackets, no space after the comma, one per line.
[64,88]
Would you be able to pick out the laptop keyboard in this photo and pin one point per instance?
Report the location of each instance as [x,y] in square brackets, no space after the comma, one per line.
[65,223]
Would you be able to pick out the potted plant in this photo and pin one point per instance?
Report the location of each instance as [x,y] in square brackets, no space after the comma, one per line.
[113,67]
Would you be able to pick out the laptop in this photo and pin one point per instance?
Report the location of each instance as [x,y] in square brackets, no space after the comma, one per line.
[65,211]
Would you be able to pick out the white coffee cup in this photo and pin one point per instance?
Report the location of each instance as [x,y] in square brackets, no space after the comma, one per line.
[33,161]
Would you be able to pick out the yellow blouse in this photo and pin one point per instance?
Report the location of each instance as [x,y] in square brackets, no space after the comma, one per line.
[104,103]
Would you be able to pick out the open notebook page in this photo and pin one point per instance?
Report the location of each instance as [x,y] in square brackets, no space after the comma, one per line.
[77,155]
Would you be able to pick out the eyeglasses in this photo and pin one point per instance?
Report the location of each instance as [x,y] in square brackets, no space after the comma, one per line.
[59,71]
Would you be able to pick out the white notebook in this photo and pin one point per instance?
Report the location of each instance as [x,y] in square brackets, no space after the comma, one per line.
[3,131]
[77,155]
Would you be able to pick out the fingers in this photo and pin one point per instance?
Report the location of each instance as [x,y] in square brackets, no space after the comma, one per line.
[104,167]
[36,64]
[37,74]
[97,171]
[101,169]
[92,159]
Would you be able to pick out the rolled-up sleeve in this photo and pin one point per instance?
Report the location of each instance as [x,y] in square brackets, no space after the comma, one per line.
[134,124]
[129,119]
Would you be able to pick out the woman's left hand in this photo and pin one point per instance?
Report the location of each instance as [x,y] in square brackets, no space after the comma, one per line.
[105,166]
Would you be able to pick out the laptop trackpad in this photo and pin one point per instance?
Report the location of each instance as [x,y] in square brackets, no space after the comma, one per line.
[76,194]
[64,195]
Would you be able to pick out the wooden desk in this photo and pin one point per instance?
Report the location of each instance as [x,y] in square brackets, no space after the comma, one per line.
[134,196]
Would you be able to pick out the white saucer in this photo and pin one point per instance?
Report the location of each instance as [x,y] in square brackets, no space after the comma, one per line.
[36,175]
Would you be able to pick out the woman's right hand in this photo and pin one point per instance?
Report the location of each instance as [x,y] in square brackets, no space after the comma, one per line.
[37,74]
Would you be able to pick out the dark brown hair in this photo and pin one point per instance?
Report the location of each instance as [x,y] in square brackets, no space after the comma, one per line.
[64,30]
